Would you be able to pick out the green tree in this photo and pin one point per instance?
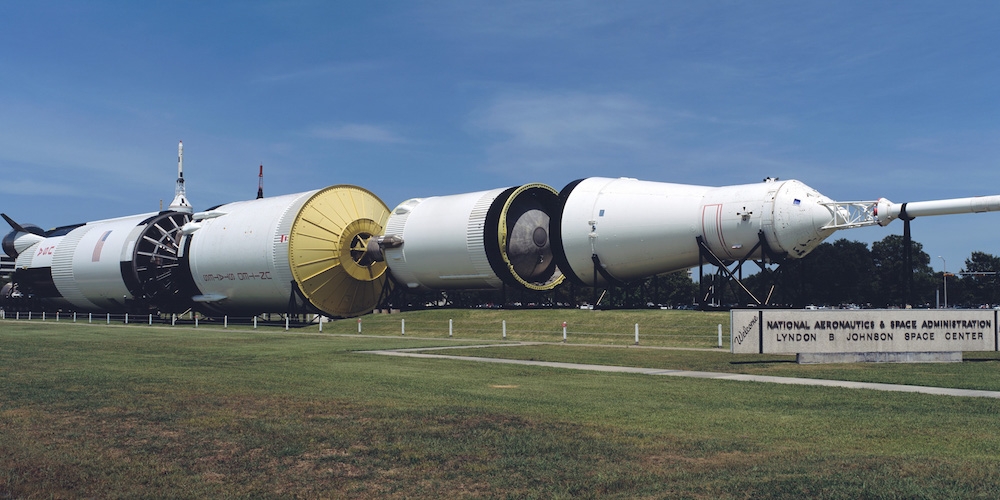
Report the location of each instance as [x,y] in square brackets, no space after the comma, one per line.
[978,288]
[838,273]
[832,274]
[669,289]
[891,274]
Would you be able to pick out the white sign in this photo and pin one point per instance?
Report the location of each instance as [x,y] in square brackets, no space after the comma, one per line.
[786,331]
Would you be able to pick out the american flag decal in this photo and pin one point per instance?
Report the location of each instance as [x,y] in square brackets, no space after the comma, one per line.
[100,244]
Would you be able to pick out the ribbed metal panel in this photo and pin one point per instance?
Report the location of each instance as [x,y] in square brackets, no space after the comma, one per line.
[397,222]
[395,257]
[62,269]
[282,268]
[474,241]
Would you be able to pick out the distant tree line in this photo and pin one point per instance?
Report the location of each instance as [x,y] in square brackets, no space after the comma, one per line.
[665,290]
[834,274]
[848,272]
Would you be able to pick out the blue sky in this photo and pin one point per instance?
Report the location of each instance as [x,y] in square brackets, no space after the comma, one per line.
[860,100]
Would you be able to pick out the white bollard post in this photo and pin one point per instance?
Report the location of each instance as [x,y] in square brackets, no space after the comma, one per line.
[109,318]
[720,335]
[564,331]
[255,322]
[126,318]
[173,319]
[321,324]
[57,315]
[90,317]
[402,326]
[43,315]
[637,334]
[225,321]
[503,323]
[195,319]
[450,331]
[151,319]
[359,325]
[286,323]
[74,317]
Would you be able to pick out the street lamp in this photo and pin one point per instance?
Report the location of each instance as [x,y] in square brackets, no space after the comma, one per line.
[944,275]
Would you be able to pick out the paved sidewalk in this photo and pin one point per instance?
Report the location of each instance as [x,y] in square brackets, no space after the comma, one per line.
[942,391]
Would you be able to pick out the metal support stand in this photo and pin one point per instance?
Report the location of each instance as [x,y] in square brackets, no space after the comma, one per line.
[734,276]
[298,303]
[907,257]
[384,297]
[598,269]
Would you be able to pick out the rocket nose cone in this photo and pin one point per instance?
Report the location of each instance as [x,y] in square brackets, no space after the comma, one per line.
[800,213]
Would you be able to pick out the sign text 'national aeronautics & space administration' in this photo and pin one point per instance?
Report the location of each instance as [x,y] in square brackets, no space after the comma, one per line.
[785,331]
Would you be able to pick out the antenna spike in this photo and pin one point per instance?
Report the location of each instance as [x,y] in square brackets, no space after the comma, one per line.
[260,182]
[180,203]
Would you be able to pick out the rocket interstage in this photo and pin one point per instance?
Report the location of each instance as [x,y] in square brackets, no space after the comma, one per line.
[481,240]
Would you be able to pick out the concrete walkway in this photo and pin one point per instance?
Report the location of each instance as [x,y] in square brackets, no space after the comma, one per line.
[941,391]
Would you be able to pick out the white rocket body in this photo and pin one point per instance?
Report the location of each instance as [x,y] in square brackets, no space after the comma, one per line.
[261,255]
[102,265]
[638,228]
[332,250]
[479,240]
[629,228]
[239,259]
[886,211]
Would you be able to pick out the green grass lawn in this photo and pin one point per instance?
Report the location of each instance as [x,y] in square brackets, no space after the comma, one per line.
[104,411]
[656,327]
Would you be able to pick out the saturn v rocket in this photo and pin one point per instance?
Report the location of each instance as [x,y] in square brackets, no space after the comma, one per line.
[336,251]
